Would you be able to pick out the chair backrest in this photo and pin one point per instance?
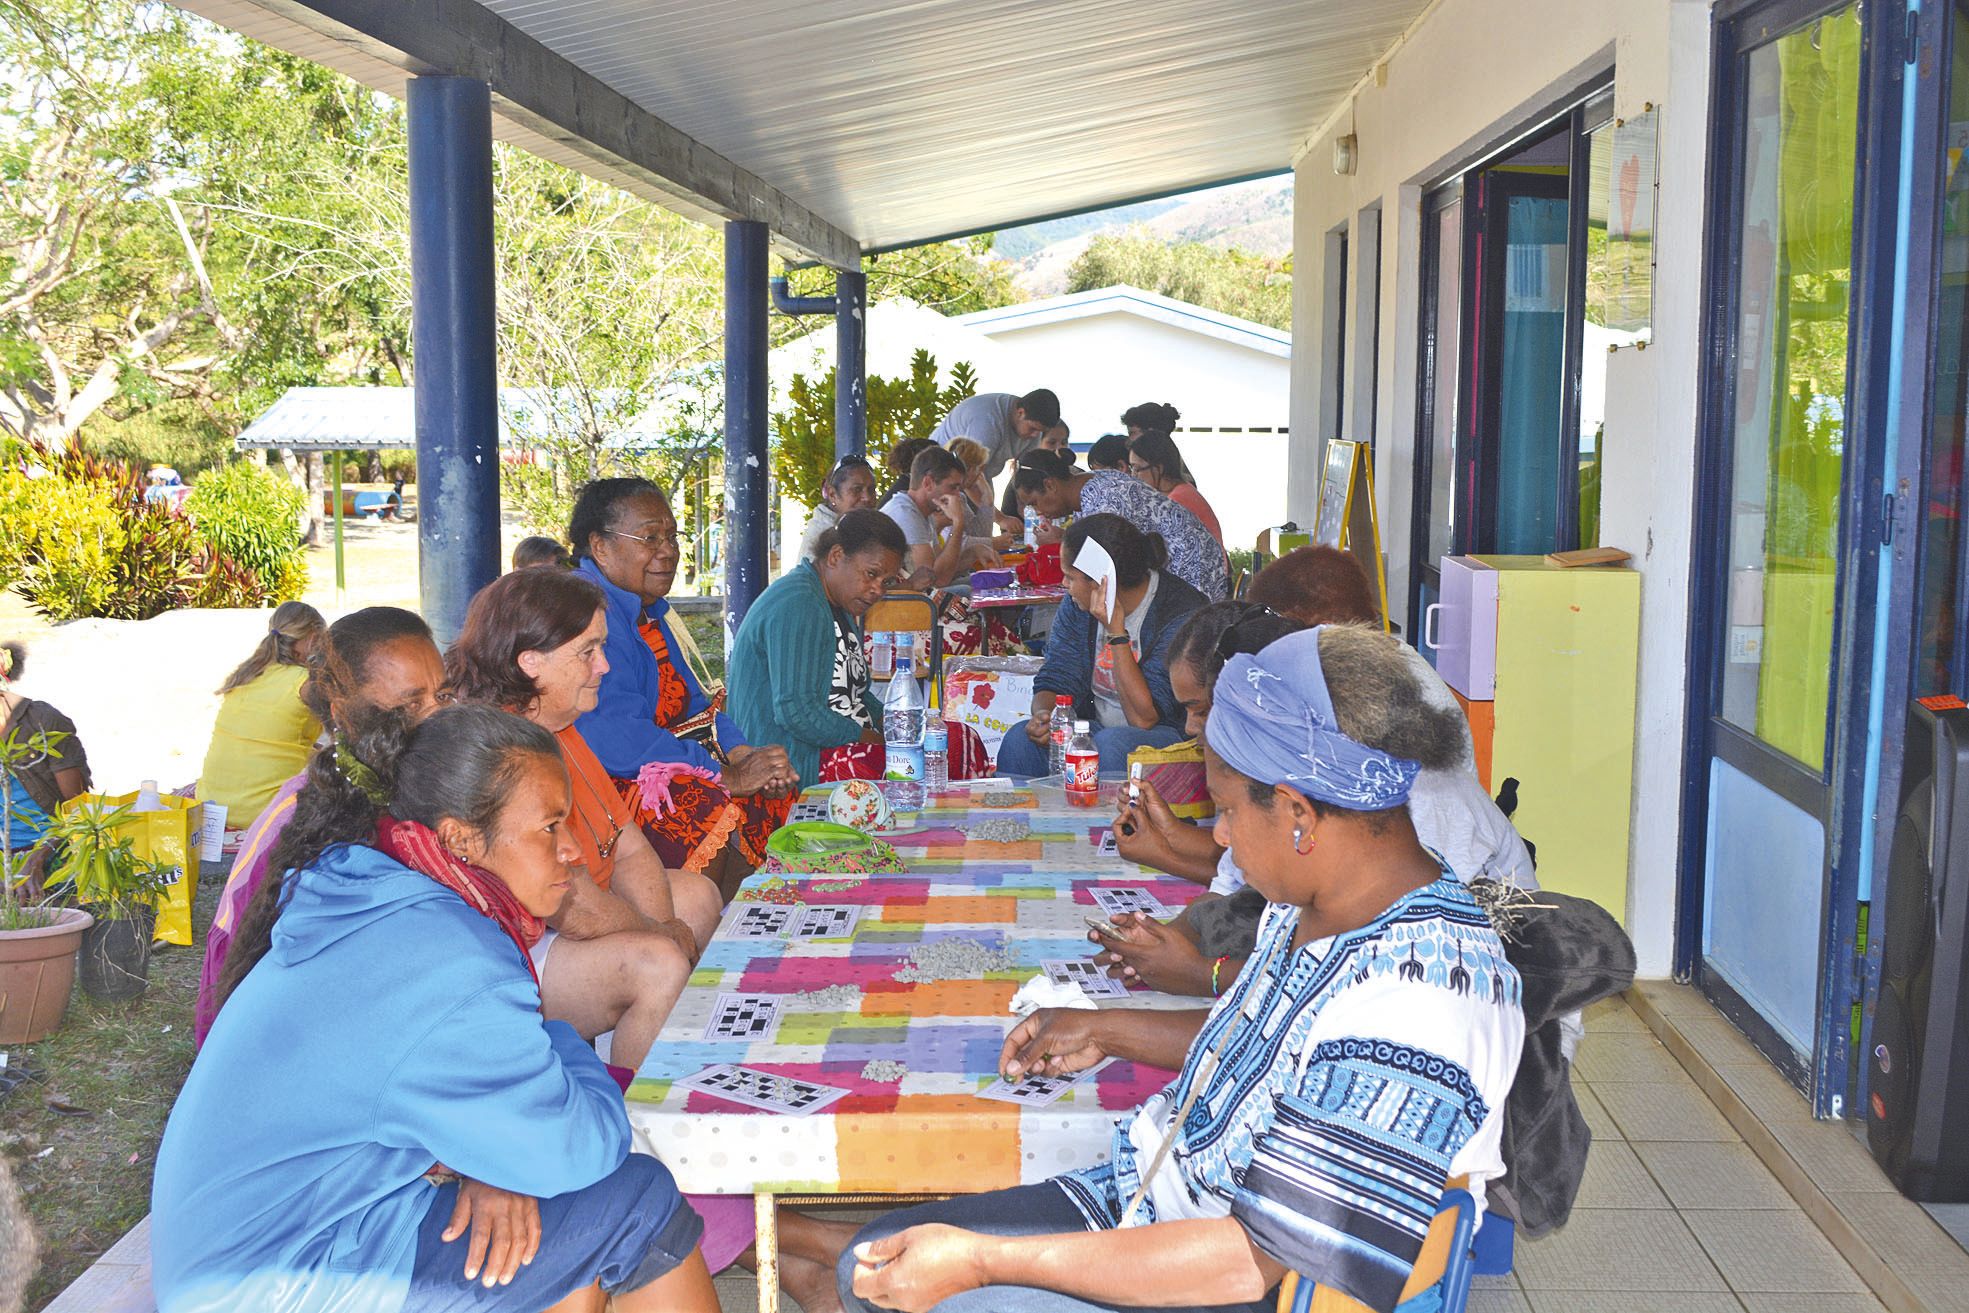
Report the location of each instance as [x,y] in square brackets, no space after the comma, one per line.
[1444,1261]
[909,613]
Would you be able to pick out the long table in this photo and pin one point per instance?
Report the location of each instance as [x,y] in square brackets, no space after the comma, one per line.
[1010,871]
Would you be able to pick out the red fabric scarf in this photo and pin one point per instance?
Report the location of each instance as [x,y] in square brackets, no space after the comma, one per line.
[417,846]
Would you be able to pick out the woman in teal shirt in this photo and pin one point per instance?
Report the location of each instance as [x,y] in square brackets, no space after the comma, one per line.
[797,675]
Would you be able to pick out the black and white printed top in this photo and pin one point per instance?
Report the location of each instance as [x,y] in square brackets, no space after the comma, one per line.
[844,691]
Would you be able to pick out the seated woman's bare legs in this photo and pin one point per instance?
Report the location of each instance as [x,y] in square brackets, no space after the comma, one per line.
[684,1289]
[697,902]
[729,870]
[626,982]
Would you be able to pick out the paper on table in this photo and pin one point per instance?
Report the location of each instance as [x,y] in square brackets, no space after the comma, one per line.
[1093,561]
[1039,992]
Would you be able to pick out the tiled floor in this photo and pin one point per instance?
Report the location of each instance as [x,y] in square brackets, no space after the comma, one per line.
[1676,1214]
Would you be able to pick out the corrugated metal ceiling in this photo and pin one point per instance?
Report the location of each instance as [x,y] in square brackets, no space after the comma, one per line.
[900,122]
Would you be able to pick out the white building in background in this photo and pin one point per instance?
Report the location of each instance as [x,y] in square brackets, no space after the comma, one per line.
[1102,352]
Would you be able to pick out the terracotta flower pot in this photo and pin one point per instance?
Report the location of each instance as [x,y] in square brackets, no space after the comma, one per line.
[37,969]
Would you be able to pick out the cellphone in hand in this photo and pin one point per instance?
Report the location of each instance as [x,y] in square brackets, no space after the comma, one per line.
[1105,929]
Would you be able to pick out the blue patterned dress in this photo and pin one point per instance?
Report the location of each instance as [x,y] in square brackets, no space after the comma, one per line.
[1341,1085]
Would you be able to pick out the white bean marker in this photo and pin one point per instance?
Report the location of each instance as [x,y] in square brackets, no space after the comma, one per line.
[1135,781]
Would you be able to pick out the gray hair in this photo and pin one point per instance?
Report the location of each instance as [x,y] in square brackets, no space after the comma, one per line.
[1381,701]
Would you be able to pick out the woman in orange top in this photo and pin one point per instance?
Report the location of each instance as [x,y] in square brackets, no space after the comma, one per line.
[619,951]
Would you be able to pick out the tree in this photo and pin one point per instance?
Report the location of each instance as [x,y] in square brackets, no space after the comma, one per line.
[898,408]
[108,288]
[1232,282]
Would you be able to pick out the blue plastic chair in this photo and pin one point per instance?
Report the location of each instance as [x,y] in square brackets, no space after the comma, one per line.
[1452,1292]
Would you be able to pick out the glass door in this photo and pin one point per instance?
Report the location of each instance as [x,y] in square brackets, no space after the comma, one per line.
[1438,379]
[1776,451]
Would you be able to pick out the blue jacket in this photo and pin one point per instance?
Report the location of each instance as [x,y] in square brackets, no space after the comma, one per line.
[390,1027]
[782,668]
[1071,646]
[621,728]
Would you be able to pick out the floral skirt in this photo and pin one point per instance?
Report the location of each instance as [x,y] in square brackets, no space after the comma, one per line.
[704,819]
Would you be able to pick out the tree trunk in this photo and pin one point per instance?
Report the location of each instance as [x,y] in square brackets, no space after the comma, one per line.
[305,472]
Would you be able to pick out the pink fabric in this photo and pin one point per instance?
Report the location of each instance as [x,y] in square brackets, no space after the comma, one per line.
[1186,496]
[249,868]
[730,1226]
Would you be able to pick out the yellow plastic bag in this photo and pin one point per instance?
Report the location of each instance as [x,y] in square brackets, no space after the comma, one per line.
[170,837]
[1177,774]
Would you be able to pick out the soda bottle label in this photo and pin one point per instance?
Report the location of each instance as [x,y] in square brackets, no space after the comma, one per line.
[1083,773]
[905,762]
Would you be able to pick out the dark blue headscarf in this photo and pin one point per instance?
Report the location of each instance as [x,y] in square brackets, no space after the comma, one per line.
[1271,719]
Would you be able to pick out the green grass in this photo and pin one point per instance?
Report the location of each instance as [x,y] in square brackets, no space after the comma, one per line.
[86,1179]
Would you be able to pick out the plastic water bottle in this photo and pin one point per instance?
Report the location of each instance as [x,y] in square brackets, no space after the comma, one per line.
[1083,767]
[1059,730]
[148,798]
[905,645]
[936,746]
[902,733]
[1032,527]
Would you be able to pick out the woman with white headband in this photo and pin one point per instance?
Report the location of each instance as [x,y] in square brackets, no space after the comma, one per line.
[1359,1062]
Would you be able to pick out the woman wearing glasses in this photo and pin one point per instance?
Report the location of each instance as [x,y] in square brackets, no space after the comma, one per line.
[1154,458]
[726,796]
[616,955]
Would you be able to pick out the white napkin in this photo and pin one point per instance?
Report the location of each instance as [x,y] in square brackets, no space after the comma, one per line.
[1039,992]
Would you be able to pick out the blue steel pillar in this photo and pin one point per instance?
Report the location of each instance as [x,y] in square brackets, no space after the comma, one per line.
[745,418]
[453,334]
[850,363]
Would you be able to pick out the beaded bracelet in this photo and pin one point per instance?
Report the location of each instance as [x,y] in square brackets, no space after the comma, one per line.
[1217,990]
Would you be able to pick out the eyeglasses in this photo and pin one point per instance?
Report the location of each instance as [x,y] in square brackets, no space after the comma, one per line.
[1137,467]
[1230,642]
[660,540]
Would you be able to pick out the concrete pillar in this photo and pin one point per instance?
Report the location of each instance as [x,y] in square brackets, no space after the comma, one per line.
[745,418]
[454,333]
[851,364]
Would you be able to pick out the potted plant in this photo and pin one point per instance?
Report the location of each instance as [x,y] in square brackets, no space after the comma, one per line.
[100,868]
[37,940]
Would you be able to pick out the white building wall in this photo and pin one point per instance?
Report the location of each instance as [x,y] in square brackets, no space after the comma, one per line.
[1102,364]
[1468,77]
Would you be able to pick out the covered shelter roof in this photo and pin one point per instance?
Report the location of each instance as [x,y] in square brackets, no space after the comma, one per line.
[856,126]
[385,419]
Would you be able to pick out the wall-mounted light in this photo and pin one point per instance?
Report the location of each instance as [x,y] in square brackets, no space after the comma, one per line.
[1345,154]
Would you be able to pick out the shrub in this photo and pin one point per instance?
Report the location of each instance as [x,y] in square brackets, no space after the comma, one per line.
[71,535]
[251,514]
[898,408]
[82,541]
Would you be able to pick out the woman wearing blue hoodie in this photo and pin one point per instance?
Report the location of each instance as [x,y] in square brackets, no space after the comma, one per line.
[379,1077]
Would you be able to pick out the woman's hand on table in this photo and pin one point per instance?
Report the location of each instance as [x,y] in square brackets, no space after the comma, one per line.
[505,1231]
[1052,1042]
[917,1269]
[1155,954]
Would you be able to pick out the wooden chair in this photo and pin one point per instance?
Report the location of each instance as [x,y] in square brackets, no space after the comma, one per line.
[909,613]
[1444,1263]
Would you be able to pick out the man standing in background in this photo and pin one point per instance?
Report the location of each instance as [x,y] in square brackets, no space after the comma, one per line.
[1006,425]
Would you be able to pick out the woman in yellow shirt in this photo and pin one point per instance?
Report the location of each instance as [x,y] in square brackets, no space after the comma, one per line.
[264,732]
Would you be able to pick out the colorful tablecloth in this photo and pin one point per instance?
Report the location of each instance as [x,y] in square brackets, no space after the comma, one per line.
[1011,872]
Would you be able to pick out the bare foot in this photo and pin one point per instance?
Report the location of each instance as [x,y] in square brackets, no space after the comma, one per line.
[809,1282]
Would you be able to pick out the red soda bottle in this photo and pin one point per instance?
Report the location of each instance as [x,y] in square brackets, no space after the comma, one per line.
[1083,767]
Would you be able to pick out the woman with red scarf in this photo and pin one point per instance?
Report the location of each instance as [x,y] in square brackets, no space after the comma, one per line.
[380,1083]
[726,796]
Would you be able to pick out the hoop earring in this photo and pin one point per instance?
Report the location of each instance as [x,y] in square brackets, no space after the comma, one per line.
[1299,836]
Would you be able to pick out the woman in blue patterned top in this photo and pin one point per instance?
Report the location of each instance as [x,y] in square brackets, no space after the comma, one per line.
[1360,1060]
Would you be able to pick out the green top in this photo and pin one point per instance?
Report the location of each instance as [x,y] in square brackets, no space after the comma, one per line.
[781,667]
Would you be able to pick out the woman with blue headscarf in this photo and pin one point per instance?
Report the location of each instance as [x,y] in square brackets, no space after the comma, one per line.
[1359,1062]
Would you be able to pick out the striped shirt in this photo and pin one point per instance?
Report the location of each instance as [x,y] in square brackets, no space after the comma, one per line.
[1350,1079]
[1194,556]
